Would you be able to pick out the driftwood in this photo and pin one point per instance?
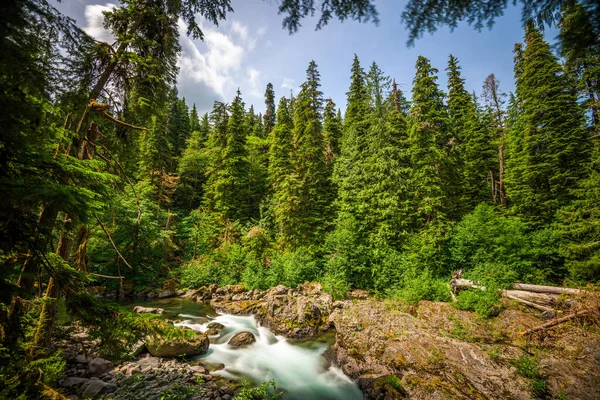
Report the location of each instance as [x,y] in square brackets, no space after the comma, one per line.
[555,322]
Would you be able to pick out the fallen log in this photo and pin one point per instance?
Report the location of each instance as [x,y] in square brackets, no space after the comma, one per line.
[459,283]
[546,289]
[548,300]
[528,303]
[555,322]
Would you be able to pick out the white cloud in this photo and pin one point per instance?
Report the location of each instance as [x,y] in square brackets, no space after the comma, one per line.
[95,22]
[287,83]
[220,62]
[254,81]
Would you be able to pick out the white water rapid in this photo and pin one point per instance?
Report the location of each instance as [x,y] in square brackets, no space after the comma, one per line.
[301,372]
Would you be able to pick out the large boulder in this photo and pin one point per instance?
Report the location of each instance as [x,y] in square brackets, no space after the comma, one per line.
[242,339]
[148,310]
[96,388]
[195,346]
[214,328]
[73,382]
[98,366]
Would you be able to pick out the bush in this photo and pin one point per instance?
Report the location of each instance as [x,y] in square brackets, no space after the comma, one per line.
[487,245]
[335,284]
[266,391]
[483,302]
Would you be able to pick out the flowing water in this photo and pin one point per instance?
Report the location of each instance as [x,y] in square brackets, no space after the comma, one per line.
[297,367]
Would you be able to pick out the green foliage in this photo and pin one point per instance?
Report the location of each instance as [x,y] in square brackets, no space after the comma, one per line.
[493,247]
[265,391]
[179,392]
[396,383]
[548,144]
[302,204]
[429,137]
[29,374]
[528,367]
[579,227]
[483,302]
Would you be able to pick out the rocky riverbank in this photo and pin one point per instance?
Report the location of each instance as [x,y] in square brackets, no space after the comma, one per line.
[425,351]
[432,350]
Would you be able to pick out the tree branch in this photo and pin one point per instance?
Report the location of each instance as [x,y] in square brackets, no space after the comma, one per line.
[111,242]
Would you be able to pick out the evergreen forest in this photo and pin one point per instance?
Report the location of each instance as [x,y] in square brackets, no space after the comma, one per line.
[112,183]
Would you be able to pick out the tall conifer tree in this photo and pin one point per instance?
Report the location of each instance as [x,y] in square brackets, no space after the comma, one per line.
[379,86]
[550,146]
[269,117]
[580,47]
[428,127]
[194,119]
[305,211]
[332,129]
[471,150]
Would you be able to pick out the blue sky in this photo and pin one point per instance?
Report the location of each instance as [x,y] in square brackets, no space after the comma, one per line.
[251,48]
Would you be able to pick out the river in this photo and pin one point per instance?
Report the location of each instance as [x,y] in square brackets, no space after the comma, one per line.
[297,366]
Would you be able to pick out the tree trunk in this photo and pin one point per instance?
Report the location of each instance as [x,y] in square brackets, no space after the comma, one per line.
[43,333]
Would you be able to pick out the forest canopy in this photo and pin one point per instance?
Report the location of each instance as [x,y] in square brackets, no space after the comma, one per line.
[112,182]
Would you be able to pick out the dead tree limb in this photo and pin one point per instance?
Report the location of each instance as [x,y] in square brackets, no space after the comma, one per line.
[137,200]
[107,276]
[557,321]
[111,242]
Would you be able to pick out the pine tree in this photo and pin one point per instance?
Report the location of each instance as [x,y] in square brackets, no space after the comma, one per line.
[379,86]
[194,120]
[397,100]
[358,99]
[269,117]
[232,186]
[217,140]
[495,99]
[580,47]
[471,151]
[549,145]
[179,126]
[428,130]
[579,226]
[193,166]
[332,129]
[304,214]
[280,150]
[349,167]
[257,147]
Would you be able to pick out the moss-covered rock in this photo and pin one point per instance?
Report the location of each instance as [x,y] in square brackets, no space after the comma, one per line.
[179,347]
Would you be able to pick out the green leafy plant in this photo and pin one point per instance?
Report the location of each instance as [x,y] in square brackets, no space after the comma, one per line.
[265,391]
